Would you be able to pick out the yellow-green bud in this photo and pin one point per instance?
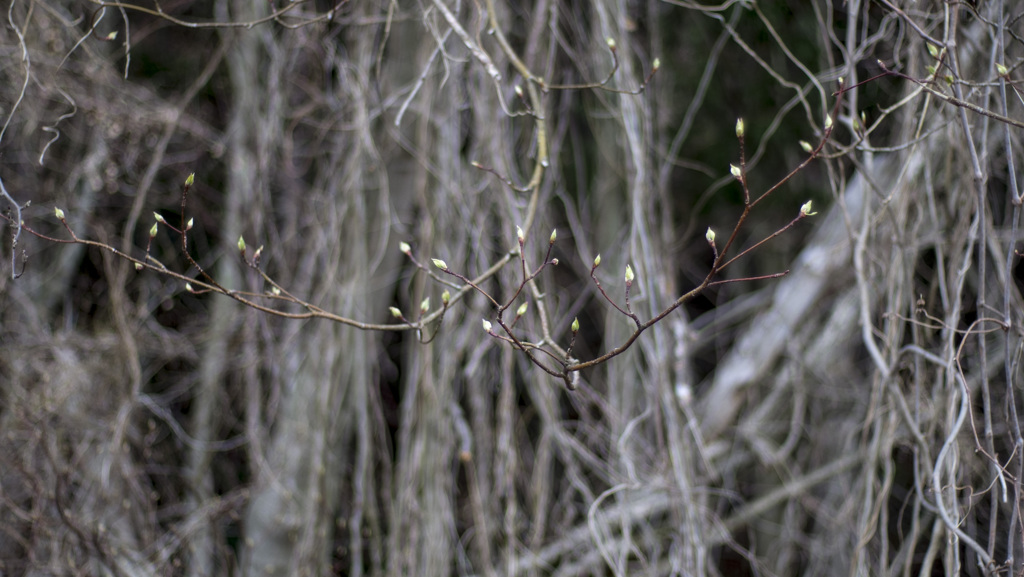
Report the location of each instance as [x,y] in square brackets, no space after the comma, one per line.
[597,260]
[739,128]
[159,218]
[404,247]
[520,235]
[276,291]
[933,50]
[735,170]
[710,235]
[611,44]
[575,325]
[59,213]
[241,244]
[487,325]
[188,287]
[629,275]
[828,121]
[806,146]
[446,297]
[425,306]
[191,179]
[1002,70]
[153,230]
[805,209]
[188,225]
[656,64]
[439,263]
[138,266]
[522,309]
[554,235]
[395,312]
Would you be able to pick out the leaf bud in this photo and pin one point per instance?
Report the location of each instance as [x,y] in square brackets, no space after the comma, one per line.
[188,225]
[575,325]
[554,235]
[404,247]
[276,291]
[59,213]
[805,209]
[522,309]
[159,218]
[611,44]
[735,170]
[153,230]
[656,65]
[828,121]
[395,312]
[710,235]
[241,244]
[191,179]
[739,128]
[597,261]
[188,287]
[933,50]
[439,263]
[138,266]
[1002,70]
[425,306]
[487,325]
[806,146]
[446,297]
[520,235]
[629,275]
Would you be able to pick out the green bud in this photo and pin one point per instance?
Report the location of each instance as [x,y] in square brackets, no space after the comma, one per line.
[188,225]
[629,275]
[806,146]
[597,261]
[59,213]
[739,128]
[710,235]
[487,325]
[191,179]
[439,263]
[554,235]
[522,309]
[575,325]
[241,244]
[446,297]
[425,306]
[153,230]
[828,121]
[735,170]
[395,312]
[805,209]
[1002,70]
[520,235]
[159,218]
[656,64]
[404,247]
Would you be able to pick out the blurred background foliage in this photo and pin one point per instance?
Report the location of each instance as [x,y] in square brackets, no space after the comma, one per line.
[149,430]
